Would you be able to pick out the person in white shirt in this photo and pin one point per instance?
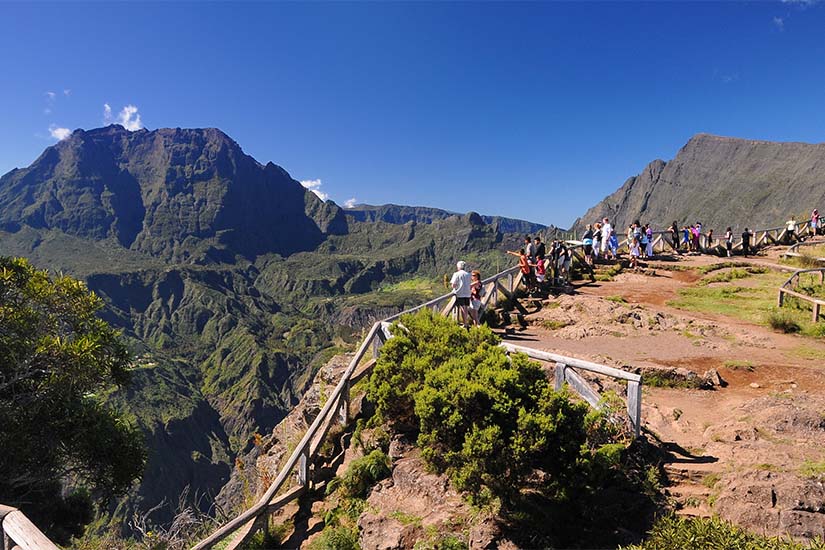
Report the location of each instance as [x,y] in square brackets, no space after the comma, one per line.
[461,282]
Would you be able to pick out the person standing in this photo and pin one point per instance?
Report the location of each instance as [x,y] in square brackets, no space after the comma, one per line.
[649,235]
[674,237]
[539,250]
[529,249]
[607,239]
[597,241]
[587,242]
[461,283]
[791,229]
[729,241]
[475,297]
[746,242]
[815,222]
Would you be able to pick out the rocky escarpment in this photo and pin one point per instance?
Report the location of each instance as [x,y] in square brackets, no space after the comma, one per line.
[170,193]
[721,181]
[398,214]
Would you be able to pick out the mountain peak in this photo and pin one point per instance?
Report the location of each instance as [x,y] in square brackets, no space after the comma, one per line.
[174,193]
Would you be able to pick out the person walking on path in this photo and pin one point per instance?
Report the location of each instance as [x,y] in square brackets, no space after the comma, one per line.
[746,242]
[461,282]
[729,241]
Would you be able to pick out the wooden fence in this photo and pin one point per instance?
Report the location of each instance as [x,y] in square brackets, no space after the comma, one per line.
[793,250]
[793,282]
[567,373]
[662,241]
[336,408]
[20,533]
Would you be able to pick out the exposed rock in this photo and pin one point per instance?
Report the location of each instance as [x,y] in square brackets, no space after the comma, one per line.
[720,181]
[712,379]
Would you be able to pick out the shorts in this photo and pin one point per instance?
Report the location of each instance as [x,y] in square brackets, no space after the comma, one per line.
[475,304]
[588,250]
[462,301]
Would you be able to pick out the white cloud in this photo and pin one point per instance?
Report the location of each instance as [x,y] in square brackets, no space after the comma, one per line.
[50,96]
[350,203]
[67,92]
[59,133]
[780,23]
[315,187]
[128,117]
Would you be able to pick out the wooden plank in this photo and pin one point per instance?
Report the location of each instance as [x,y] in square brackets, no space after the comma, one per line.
[559,376]
[634,406]
[24,533]
[572,362]
[278,502]
[365,370]
[582,387]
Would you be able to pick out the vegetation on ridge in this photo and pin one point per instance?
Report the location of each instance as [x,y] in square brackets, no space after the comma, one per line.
[60,444]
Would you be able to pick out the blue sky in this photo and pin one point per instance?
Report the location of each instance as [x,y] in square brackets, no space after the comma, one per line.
[534,110]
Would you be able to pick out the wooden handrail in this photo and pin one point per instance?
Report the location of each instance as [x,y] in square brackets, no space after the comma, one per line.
[19,532]
[309,444]
[786,287]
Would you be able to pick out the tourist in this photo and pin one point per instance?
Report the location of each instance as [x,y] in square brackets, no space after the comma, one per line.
[461,282]
[635,251]
[587,242]
[674,237]
[564,264]
[529,248]
[539,249]
[709,239]
[607,239]
[729,241]
[791,229]
[597,241]
[540,271]
[524,266]
[695,231]
[475,297]
[686,237]
[649,238]
[746,242]
[815,222]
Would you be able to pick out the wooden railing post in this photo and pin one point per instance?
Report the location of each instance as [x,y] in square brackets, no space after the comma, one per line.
[303,468]
[634,405]
[816,311]
[781,299]
[560,375]
[343,408]
[510,282]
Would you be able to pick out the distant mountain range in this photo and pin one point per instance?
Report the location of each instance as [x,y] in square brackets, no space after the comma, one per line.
[394,213]
[721,181]
[229,279]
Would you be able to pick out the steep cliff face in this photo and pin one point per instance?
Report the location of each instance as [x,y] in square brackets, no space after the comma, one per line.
[169,193]
[721,181]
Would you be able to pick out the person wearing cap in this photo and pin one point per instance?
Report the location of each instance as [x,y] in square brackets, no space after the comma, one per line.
[461,283]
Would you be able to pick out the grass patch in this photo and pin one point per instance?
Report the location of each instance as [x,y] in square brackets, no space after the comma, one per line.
[711,480]
[739,364]
[732,275]
[766,467]
[617,299]
[704,270]
[807,352]
[405,519]
[554,324]
[669,379]
[813,470]
[783,321]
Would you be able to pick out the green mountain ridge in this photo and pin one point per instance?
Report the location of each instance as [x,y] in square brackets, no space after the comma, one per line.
[227,278]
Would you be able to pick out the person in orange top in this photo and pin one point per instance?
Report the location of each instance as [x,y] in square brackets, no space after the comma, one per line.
[524,265]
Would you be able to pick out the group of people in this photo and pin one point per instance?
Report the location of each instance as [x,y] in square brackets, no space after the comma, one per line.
[598,240]
[535,261]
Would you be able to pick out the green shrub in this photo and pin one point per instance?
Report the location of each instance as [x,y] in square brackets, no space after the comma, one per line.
[783,321]
[336,538]
[677,533]
[426,339]
[361,475]
[485,418]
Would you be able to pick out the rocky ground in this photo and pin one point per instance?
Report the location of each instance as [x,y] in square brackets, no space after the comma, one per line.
[742,420]
[749,451]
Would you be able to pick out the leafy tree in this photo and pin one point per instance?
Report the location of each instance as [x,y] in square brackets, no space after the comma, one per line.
[55,356]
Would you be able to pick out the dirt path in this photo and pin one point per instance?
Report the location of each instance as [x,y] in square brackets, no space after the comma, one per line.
[752,426]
